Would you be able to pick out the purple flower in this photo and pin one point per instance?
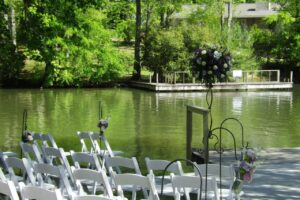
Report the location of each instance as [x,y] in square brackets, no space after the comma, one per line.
[247,176]
[244,165]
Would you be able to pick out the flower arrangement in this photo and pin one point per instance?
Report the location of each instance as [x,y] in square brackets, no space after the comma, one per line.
[245,170]
[247,166]
[211,65]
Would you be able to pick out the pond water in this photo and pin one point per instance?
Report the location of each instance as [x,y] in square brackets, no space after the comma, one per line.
[145,123]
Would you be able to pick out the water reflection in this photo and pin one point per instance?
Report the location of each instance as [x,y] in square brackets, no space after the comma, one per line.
[146,123]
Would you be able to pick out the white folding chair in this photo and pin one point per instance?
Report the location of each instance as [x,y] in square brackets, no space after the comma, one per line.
[227,175]
[86,144]
[158,166]
[122,165]
[86,160]
[2,176]
[136,181]
[32,153]
[98,179]
[20,165]
[49,176]
[8,189]
[39,193]
[192,184]
[48,140]
[57,157]
[97,139]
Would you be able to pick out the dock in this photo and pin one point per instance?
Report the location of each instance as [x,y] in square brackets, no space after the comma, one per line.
[240,81]
[188,87]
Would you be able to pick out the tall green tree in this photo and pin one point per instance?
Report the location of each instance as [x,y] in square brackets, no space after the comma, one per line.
[280,44]
[137,44]
[71,38]
[11,60]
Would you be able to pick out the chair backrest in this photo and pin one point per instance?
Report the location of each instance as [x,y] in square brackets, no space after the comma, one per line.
[57,157]
[22,165]
[2,176]
[39,193]
[96,138]
[31,152]
[157,167]
[86,159]
[46,173]
[160,165]
[136,181]
[38,141]
[194,183]
[48,140]
[227,172]
[117,163]
[98,177]
[86,144]
[8,188]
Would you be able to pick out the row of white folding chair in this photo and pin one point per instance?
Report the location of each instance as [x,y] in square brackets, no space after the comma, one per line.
[27,192]
[91,161]
[45,174]
[37,174]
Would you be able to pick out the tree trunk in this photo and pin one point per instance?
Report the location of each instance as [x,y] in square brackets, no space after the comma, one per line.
[137,46]
[12,25]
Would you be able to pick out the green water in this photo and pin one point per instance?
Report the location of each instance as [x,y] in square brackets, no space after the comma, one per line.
[145,123]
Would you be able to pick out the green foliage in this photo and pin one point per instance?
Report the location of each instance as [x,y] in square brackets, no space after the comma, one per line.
[280,44]
[74,44]
[202,28]
[121,17]
[11,60]
[167,51]
[239,41]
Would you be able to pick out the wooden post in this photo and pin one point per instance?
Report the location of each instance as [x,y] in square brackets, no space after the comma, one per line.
[189,134]
[291,76]
[189,126]
[156,78]
[174,77]
[278,76]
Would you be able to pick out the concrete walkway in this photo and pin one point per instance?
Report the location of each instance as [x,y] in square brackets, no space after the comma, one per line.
[277,175]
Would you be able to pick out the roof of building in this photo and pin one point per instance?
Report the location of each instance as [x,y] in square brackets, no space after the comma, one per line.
[253,10]
[243,10]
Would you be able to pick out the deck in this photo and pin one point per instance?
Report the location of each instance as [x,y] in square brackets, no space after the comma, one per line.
[236,86]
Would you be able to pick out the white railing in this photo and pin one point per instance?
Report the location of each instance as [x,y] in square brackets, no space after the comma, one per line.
[254,76]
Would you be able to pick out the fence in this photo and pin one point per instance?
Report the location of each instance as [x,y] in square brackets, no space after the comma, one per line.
[255,76]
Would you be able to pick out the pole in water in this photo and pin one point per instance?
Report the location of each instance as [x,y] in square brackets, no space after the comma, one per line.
[100,110]
[26,135]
